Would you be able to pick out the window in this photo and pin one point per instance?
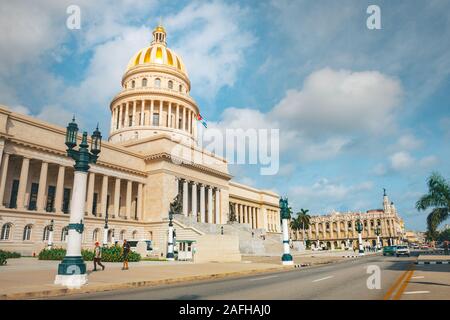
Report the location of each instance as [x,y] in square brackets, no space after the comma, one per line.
[27,233]
[170,84]
[94,204]
[46,233]
[133,84]
[50,207]
[107,203]
[6,231]
[135,208]
[130,120]
[180,88]
[156,119]
[66,200]
[64,234]
[95,235]
[349,225]
[144,82]
[33,196]
[158,83]
[122,235]
[134,235]
[13,198]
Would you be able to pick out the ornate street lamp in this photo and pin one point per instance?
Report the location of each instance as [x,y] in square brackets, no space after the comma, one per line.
[359,228]
[50,234]
[170,256]
[378,232]
[72,270]
[286,258]
[105,231]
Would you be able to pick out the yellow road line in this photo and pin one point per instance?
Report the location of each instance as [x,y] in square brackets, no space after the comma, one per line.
[404,285]
[391,290]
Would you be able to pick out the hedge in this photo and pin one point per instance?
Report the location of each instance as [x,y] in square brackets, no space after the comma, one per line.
[10,255]
[111,254]
[2,259]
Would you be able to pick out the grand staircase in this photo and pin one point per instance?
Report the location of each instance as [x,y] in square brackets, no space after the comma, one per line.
[251,241]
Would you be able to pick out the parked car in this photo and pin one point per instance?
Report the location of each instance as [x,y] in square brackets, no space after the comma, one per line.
[389,250]
[402,250]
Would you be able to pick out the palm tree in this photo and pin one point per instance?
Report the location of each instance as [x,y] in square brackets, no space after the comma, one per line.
[438,198]
[303,220]
[295,226]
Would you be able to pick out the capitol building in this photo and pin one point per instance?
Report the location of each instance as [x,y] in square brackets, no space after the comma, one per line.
[150,157]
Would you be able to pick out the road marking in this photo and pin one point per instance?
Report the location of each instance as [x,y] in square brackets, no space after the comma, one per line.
[404,285]
[321,279]
[263,278]
[417,277]
[391,290]
[415,292]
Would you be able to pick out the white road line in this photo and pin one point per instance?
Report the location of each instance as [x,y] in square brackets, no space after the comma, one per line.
[263,278]
[418,277]
[321,279]
[415,292]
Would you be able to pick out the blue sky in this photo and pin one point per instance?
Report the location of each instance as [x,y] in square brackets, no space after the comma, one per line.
[357,109]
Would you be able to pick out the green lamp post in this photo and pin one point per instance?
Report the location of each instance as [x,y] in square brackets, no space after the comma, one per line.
[72,270]
[170,239]
[377,233]
[359,229]
[50,234]
[286,258]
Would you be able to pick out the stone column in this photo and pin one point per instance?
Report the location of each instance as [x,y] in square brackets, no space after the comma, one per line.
[42,186]
[133,119]
[183,119]
[217,203]
[113,118]
[169,115]
[117,198]
[210,205]
[90,193]
[142,113]
[152,110]
[125,121]
[177,115]
[5,163]
[120,116]
[128,200]
[194,199]
[139,201]
[189,121]
[23,183]
[59,189]
[104,196]
[160,113]
[202,203]
[185,198]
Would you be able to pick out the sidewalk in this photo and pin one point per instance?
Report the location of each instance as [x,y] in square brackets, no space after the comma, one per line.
[29,278]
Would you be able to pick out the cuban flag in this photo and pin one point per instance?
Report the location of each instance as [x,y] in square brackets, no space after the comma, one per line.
[203,121]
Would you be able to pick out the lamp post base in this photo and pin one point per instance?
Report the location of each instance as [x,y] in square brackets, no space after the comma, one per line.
[74,281]
[286,260]
[361,252]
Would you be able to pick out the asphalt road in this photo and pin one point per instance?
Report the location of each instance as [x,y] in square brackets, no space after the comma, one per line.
[343,280]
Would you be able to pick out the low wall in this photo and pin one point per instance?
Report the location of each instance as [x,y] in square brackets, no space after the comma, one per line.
[217,248]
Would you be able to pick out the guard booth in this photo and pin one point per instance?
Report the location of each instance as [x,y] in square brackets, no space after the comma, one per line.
[185,250]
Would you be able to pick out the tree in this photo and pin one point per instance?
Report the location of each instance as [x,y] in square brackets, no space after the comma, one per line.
[304,220]
[295,226]
[437,198]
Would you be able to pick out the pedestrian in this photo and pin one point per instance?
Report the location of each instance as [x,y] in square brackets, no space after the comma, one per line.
[98,257]
[125,252]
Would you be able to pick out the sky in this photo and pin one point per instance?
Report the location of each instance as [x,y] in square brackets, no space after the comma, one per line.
[358,110]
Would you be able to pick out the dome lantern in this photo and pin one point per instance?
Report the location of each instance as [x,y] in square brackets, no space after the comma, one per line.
[159,35]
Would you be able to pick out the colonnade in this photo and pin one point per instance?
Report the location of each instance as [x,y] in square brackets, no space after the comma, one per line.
[201,201]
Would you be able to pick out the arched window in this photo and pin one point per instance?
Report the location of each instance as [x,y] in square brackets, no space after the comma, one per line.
[144,82]
[158,83]
[180,88]
[122,235]
[6,231]
[327,226]
[170,84]
[134,235]
[95,235]
[46,233]
[64,234]
[133,84]
[27,232]
[349,224]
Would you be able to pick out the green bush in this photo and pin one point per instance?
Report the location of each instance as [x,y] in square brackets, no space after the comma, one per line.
[10,255]
[111,254]
[2,258]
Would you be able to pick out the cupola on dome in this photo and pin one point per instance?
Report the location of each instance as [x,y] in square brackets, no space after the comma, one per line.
[157,53]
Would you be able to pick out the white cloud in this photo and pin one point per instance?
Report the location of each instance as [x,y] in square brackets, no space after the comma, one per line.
[428,162]
[341,102]
[409,142]
[401,160]
[212,43]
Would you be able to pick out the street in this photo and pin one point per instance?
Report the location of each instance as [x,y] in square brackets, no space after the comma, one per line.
[343,280]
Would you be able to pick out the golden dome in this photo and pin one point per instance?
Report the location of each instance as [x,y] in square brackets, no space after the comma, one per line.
[157,53]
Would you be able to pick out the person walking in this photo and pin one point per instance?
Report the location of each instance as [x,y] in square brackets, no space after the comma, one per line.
[125,252]
[98,257]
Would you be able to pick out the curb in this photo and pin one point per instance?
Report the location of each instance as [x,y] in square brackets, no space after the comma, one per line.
[432,262]
[134,284]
